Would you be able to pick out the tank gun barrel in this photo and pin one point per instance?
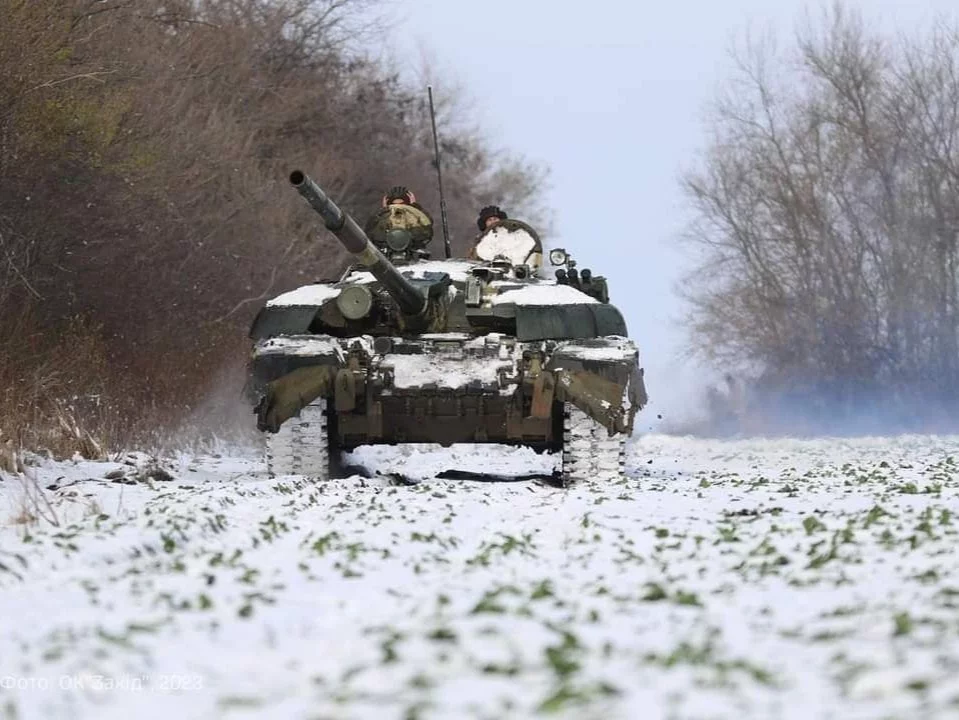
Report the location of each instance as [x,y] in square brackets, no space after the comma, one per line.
[409,299]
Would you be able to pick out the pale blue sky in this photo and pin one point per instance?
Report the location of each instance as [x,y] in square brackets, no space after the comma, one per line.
[610,95]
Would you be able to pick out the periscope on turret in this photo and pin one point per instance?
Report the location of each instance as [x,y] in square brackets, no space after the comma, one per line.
[405,349]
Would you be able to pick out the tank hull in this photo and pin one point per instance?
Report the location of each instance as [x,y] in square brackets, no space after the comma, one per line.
[450,388]
[445,418]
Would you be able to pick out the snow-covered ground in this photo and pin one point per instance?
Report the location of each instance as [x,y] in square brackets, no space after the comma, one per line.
[721,579]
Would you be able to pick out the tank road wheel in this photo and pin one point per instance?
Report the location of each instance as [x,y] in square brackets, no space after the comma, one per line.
[589,453]
[302,446]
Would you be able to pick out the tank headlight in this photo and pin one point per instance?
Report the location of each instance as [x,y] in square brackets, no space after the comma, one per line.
[558,256]
[355,302]
[398,240]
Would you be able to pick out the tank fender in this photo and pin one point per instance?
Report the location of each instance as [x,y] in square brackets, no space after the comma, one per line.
[596,396]
[284,397]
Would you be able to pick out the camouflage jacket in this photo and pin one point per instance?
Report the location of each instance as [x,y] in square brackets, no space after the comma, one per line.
[413,217]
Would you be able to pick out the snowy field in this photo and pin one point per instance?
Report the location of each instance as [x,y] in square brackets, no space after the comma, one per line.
[721,579]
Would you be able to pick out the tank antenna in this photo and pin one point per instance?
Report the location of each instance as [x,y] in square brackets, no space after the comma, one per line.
[439,177]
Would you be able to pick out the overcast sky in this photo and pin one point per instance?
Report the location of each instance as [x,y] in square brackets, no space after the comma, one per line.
[610,95]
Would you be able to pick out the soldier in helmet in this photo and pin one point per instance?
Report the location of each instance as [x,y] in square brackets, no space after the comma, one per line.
[500,235]
[400,211]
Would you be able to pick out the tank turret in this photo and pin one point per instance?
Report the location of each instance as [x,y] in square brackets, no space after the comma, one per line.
[408,298]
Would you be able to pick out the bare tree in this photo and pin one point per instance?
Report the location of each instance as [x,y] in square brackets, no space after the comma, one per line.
[826,211]
[145,150]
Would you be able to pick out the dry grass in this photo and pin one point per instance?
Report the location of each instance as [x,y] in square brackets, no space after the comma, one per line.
[33,505]
[44,386]
[10,457]
[63,396]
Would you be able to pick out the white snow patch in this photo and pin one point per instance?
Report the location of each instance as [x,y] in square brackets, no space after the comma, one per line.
[421,461]
[749,579]
[445,337]
[412,371]
[612,349]
[481,341]
[307,295]
[458,270]
[303,345]
[544,294]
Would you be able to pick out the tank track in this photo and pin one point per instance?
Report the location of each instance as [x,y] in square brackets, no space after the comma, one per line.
[589,453]
[302,446]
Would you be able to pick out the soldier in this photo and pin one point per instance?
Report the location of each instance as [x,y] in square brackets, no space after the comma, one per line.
[400,211]
[488,217]
[502,236]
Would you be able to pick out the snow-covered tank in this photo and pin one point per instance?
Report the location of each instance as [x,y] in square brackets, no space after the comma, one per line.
[404,349]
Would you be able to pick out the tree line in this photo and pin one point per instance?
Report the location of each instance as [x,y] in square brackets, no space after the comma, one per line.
[826,219]
[144,210]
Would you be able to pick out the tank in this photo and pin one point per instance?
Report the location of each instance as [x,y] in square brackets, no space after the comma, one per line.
[407,349]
